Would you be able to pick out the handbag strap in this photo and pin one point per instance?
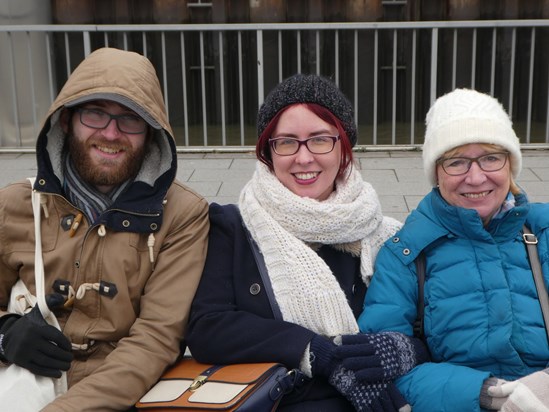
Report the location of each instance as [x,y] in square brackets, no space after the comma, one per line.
[531,242]
[38,262]
[260,262]
[294,378]
[420,272]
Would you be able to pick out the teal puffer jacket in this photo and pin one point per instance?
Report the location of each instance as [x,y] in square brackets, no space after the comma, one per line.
[482,316]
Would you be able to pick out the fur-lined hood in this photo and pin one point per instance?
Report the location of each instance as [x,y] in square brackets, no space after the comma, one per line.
[129,79]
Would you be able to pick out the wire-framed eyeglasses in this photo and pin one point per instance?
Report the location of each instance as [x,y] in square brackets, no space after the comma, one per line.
[287,146]
[99,119]
[491,162]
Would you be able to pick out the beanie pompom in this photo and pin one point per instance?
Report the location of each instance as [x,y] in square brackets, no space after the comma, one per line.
[463,117]
[308,88]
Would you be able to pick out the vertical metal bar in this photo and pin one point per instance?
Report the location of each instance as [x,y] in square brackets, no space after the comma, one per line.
[184,78]
[240,88]
[317,48]
[474,59]
[50,69]
[32,88]
[280,73]
[454,59]
[512,74]
[356,75]
[222,85]
[144,40]
[87,43]
[165,74]
[530,84]
[16,123]
[547,113]
[336,51]
[260,73]
[413,89]
[376,76]
[299,51]
[394,91]
[203,89]
[67,54]
[125,37]
[493,65]
[106,39]
[434,61]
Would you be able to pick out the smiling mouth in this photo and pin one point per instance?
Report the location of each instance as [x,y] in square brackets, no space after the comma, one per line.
[476,195]
[306,176]
[108,150]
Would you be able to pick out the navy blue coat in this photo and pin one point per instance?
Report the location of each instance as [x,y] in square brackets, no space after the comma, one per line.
[230,322]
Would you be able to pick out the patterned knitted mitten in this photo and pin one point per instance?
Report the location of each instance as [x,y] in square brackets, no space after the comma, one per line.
[372,396]
[381,356]
[528,394]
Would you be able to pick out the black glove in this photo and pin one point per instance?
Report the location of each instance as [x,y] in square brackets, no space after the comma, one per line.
[381,356]
[28,341]
[322,355]
[368,396]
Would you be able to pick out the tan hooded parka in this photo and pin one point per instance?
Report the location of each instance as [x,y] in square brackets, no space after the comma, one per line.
[135,270]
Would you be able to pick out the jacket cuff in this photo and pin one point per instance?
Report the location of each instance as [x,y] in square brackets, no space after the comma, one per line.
[305,364]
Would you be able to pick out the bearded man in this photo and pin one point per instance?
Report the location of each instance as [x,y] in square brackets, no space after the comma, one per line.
[123,242]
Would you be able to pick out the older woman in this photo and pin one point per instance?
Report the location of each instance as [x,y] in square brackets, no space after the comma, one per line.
[318,226]
[483,322]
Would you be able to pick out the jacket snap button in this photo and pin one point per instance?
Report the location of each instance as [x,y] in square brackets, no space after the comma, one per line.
[126,223]
[396,239]
[66,222]
[255,289]
[406,252]
[154,226]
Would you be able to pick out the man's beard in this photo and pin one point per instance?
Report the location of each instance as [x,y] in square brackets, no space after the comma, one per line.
[109,172]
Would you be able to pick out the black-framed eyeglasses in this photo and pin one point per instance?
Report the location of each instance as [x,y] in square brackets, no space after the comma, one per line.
[287,146]
[491,162]
[99,119]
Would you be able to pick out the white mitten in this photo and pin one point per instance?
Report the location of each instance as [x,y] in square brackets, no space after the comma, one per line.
[492,395]
[528,394]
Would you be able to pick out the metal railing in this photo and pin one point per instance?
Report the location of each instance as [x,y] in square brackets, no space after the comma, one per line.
[214,76]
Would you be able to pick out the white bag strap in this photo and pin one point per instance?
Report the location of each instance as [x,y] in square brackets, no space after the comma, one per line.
[60,385]
[38,262]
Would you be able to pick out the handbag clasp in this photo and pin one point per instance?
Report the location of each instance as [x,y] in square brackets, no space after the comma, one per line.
[198,382]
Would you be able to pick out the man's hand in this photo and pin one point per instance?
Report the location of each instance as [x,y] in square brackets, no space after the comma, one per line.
[28,341]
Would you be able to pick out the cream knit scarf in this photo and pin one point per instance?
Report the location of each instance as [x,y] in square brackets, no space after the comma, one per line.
[284,226]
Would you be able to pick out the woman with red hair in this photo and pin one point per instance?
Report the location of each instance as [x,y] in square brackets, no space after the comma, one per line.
[318,226]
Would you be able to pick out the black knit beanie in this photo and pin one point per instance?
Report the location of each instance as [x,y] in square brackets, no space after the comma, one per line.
[308,88]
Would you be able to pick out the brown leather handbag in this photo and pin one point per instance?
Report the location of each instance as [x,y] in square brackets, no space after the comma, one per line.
[193,386]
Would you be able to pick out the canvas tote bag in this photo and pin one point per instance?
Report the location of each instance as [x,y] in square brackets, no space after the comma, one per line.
[21,390]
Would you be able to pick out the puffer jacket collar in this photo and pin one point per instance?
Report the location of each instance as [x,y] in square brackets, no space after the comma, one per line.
[139,208]
[434,219]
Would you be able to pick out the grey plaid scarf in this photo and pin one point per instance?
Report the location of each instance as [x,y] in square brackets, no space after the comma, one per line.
[86,197]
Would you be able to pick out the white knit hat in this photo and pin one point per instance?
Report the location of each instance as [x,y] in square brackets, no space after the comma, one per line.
[467,116]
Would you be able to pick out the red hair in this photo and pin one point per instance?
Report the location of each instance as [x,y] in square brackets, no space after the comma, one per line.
[263,148]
